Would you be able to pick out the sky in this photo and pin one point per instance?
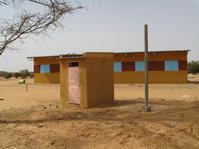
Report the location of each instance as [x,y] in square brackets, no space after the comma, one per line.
[113,26]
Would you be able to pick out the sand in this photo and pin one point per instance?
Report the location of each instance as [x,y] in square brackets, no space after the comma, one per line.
[31,118]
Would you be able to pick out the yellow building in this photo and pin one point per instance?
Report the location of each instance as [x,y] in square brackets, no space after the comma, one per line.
[86,80]
[46,69]
[164,67]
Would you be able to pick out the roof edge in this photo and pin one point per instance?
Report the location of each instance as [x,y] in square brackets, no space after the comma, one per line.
[71,55]
[155,51]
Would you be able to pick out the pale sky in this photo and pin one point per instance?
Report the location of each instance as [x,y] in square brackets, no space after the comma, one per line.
[114,26]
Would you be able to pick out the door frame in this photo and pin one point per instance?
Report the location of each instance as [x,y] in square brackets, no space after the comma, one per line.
[74,64]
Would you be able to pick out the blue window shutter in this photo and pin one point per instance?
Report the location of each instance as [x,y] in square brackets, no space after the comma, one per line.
[171,65]
[45,68]
[117,67]
[139,66]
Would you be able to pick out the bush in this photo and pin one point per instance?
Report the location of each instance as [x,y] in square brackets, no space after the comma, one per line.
[31,74]
[5,74]
[16,74]
[2,74]
[8,75]
[23,74]
[193,67]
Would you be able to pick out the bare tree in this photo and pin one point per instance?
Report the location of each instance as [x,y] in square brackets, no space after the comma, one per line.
[3,3]
[33,23]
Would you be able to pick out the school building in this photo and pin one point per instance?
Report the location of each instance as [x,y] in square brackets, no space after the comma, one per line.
[164,67]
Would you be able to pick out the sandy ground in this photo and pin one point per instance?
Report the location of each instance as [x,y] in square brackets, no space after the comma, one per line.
[32,118]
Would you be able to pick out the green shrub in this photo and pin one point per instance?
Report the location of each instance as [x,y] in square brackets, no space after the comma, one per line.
[23,74]
[5,74]
[16,74]
[8,75]
[193,67]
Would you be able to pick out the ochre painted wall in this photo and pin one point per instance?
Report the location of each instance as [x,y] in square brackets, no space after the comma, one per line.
[152,56]
[46,60]
[154,76]
[100,81]
[46,77]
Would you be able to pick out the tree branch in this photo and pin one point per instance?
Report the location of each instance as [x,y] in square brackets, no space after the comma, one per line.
[33,23]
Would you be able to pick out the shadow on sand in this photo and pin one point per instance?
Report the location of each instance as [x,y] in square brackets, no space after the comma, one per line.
[94,114]
[193,82]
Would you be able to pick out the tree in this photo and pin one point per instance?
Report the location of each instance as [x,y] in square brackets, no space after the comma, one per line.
[16,74]
[33,23]
[24,74]
[193,67]
[6,75]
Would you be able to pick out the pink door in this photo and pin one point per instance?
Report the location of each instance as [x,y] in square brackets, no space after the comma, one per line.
[74,89]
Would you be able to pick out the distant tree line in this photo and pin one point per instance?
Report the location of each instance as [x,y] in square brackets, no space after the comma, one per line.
[21,74]
[193,67]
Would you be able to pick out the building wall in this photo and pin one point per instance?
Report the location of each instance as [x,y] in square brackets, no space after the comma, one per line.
[100,81]
[157,74]
[53,76]
[128,74]
[46,78]
[154,77]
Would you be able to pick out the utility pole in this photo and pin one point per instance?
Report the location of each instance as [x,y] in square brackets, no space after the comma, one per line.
[147,107]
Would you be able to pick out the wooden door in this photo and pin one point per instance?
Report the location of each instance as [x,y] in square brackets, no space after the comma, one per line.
[74,86]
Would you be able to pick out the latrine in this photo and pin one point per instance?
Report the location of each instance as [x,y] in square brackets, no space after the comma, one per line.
[86,79]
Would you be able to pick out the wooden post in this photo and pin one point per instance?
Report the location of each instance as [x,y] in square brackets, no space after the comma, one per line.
[26,87]
[147,108]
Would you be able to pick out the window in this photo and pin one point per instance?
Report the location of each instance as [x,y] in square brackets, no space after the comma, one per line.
[54,68]
[156,65]
[36,68]
[139,66]
[45,68]
[171,65]
[128,66]
[73,64]
[117,66]
[183,65]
